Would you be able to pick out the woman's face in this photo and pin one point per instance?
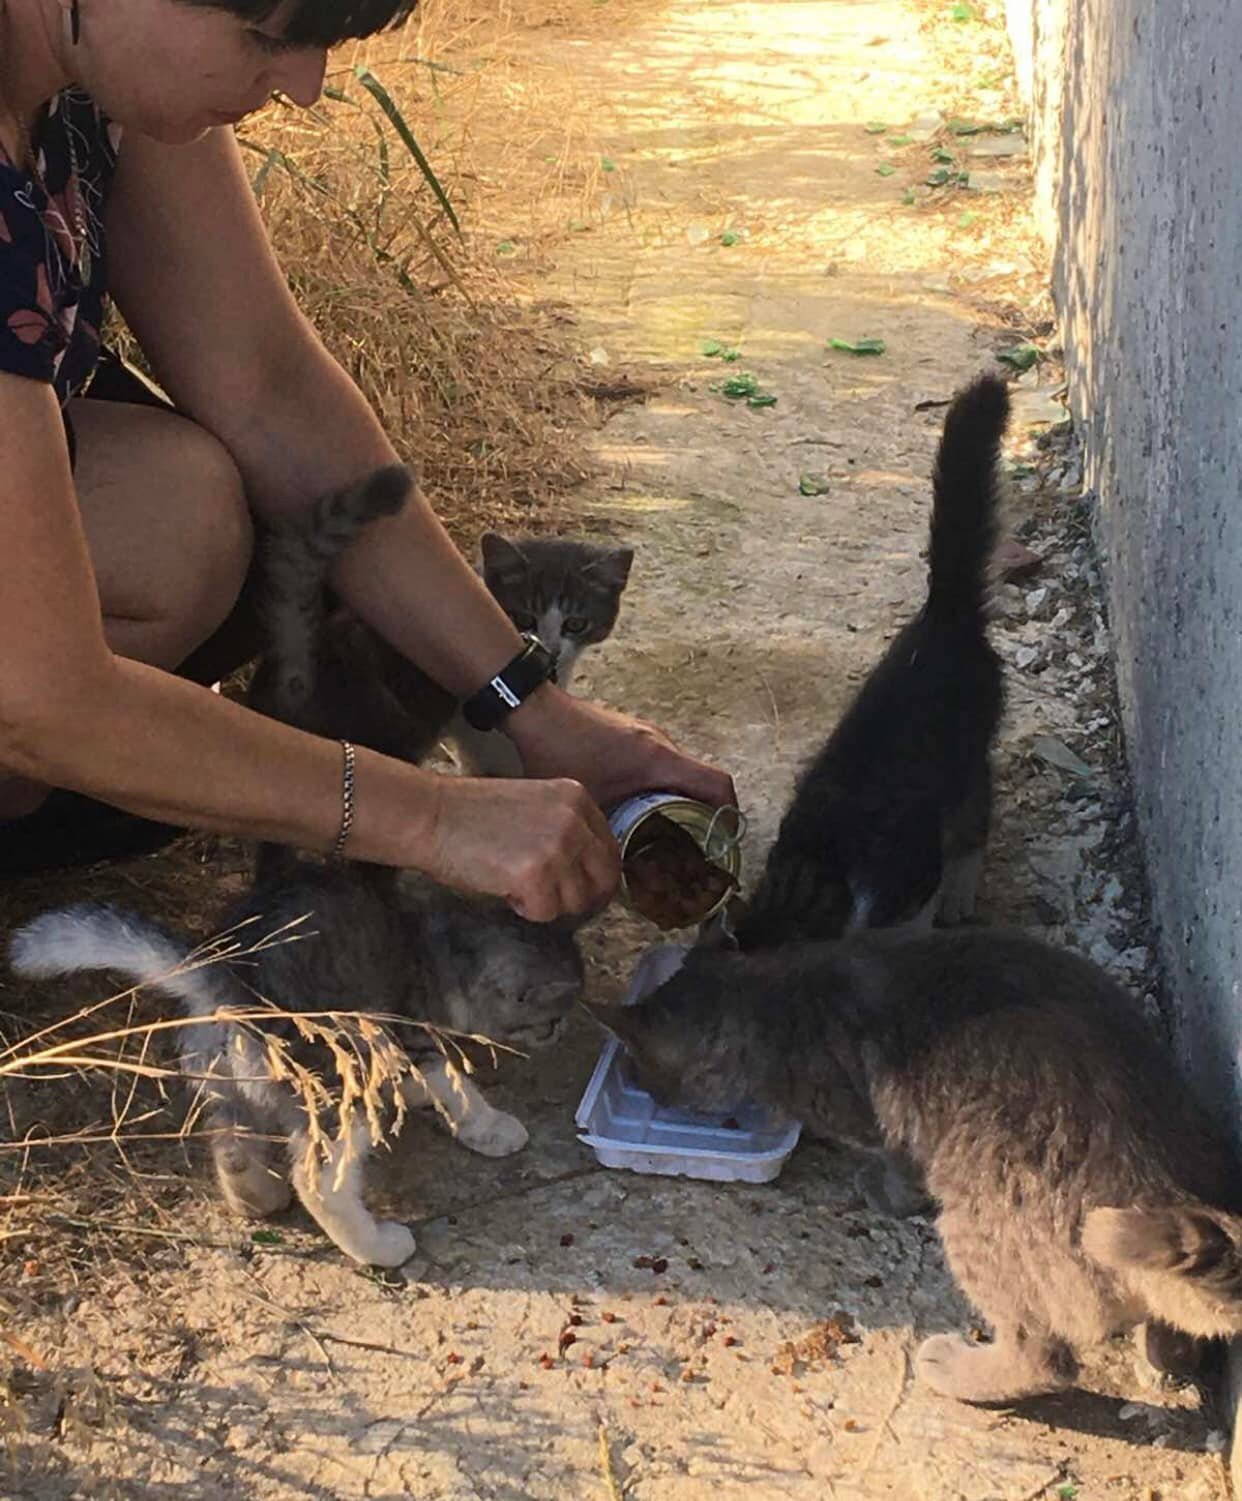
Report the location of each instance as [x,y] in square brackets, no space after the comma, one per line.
[173,71]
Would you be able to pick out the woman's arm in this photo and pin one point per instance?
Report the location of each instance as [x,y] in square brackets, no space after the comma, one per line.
[74,715]
[196,278]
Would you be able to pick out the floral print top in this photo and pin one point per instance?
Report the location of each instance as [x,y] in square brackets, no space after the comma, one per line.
[52,286]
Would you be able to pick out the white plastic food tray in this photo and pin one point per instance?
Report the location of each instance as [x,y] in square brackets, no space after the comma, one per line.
[625,1127]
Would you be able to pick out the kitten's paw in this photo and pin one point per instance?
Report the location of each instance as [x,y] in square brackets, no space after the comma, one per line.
[1001,1371]
[950,1364]
[391,1245]
[492,1133]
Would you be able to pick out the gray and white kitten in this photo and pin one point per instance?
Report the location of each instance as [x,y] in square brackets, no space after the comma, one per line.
[327,672]
[414,951]
[568,592]
[1082,1187]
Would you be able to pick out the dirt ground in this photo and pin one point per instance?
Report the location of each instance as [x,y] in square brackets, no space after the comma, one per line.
[742,197]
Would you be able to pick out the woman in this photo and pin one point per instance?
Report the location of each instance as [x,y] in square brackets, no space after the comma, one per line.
[125,527]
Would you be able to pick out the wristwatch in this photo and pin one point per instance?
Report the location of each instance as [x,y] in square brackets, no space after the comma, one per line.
[533,666]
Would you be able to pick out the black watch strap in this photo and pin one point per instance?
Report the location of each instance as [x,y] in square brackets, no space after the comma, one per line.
[532,666]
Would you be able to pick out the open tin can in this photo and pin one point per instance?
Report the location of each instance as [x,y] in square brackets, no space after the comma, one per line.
[673,880]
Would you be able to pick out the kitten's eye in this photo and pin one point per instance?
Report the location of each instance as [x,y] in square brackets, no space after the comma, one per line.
[523,619]
[575,625]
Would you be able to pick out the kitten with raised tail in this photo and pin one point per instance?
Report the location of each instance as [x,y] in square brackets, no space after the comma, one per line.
[888,823]
[1082,1188]
[325,671]
[414,951]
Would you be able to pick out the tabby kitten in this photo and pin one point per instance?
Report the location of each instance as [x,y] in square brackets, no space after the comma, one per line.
[327,672]
[889,821]
[414,951]
[1082,1187]
[569,594]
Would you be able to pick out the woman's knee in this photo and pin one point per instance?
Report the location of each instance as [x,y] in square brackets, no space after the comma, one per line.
[219,535]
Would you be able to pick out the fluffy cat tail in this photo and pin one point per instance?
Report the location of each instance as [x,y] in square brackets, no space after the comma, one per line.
[1185,1261]
[91,936]
[966,493]
[297,559]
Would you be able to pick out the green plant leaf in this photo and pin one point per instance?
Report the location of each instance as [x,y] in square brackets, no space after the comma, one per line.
[908,197]
[961,11]
[858,346]
[939,154]
[965,127]
[885,169]
[812,484]
[505,247]
[607,164]
[964,221]
[875,127]
[900,140]
[939,177]
[386,102]
[711,348]
[729,356]
[1019,357]
[730,237]
[267,1237]
[761,399]
[737,386]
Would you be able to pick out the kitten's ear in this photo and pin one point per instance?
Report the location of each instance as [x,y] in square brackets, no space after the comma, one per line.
[500,556]
[612,566]
[629,1024]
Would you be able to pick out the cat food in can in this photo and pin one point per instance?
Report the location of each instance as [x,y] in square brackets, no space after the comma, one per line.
[680,859]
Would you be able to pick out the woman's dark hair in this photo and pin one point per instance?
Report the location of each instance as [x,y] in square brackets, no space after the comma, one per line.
[321,23]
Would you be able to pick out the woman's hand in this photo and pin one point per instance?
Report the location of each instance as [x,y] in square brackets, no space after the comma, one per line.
[611,754]
[544,846]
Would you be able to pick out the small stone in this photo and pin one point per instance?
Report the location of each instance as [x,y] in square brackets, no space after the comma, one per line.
[1035,601]
[1025,657]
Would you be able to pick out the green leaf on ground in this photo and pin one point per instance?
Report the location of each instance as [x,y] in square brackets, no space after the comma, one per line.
[267,1237]
[939,154]
[1067,1492]
[812,484]
[900,140]
[730,237]
[505,247]
[1020,357]
[875,127]
[761,399]
[858,346]
[607,164]
[939,177]
[885,169]
[964,221]
[741,385]
[908,197]
[711,347]
[961,11]
[966,127]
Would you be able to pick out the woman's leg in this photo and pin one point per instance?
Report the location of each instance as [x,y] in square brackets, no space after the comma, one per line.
[169,532]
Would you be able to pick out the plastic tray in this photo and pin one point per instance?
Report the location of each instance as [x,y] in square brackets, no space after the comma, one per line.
[625,1128]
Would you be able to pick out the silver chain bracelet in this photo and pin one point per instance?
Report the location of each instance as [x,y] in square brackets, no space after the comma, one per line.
[347,800]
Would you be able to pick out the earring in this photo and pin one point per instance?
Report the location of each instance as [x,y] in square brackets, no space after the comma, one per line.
[75,22]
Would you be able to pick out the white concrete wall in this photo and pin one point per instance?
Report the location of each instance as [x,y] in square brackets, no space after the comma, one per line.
[1137,116]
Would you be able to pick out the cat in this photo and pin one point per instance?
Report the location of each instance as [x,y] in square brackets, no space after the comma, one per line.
[413,950]
[325,671]
[568,593]
[1082,1189]
[889,821]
